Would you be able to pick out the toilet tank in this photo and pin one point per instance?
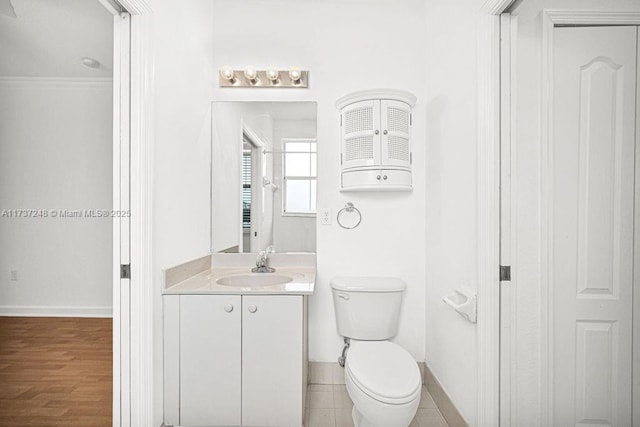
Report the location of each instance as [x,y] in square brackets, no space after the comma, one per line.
[367,308]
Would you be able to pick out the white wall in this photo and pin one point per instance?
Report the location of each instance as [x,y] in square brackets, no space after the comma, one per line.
[226,146]
[183,80]
[347,46]
[451,194]
[405,45]
[290,233]
[55,154]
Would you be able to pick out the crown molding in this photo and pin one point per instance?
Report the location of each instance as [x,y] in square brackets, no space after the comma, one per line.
[593,17]
[56,81]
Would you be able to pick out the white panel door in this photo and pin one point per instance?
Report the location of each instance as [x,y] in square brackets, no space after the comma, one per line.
[272,358]
[210,352]
[591,224]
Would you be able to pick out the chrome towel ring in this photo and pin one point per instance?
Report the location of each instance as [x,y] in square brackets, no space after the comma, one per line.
[349,215]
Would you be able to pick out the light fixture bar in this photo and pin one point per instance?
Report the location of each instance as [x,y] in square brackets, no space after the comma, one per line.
[228,77]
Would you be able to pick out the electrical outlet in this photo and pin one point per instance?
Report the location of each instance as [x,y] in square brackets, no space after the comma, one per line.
[325,216]
[14,275]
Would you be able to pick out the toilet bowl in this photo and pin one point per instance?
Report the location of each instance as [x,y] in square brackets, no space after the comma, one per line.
[383,381]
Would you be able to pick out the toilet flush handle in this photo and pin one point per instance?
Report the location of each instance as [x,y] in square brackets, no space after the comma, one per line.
[344,296]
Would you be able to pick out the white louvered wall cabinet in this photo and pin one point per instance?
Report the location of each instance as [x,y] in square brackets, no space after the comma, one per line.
[375,129]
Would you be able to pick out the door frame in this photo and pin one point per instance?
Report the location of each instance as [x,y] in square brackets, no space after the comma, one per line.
[490,127]
[488,216]
[257,152]
[141,360]
[133,392]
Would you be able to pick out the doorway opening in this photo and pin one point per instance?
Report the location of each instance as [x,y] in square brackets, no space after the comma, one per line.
[246,195]
[569,216]
[130,213]
[56,203]
[252,200]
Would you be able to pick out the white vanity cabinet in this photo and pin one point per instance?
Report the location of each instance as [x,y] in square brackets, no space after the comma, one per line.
[234,360]
[376,140]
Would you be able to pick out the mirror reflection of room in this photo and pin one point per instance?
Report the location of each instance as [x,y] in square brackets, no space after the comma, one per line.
[264,157]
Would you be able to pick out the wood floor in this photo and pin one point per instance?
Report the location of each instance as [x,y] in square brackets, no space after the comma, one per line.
[55,371]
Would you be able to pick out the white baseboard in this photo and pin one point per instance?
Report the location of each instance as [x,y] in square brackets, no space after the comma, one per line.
[54,311]
[448,410]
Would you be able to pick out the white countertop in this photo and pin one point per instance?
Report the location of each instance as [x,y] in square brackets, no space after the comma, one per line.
[301,268]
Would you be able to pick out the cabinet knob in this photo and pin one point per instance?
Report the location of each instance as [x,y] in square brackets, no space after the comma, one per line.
[378,177]
[377,131]
[384,132]
[384,177]
[253,308]
[228,308]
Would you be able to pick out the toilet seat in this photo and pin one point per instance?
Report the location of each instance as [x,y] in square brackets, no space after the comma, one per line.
[384,371]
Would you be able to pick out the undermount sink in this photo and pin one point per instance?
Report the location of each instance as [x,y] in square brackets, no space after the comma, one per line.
[254,280]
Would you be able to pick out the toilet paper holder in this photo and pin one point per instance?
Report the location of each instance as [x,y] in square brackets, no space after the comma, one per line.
[465,302]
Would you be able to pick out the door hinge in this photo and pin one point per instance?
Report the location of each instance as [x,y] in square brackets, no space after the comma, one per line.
[505,273]
[125,271]
[410,119]
[340,119]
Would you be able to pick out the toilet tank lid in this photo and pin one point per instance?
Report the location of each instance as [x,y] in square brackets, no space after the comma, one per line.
[368,284]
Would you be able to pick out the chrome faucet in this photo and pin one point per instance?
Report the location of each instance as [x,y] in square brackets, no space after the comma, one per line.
[261,263]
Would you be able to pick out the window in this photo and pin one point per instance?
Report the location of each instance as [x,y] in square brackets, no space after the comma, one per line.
[299,177]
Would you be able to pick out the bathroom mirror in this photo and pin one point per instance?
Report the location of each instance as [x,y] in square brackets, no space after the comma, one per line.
[263,176]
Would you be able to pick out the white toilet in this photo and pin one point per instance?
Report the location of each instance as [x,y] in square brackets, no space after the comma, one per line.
[382,378]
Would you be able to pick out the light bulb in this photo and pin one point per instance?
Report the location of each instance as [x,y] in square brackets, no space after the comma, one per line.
[227,73]
[250,73]
[295,74]
[273,74]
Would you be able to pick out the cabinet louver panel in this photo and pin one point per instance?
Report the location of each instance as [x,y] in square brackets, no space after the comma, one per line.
[359,148]
[398,120]
[398,148]
[396,125]
[358,120]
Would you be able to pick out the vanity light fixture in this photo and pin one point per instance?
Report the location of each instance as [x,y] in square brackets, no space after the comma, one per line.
[271,77]
[227,74]
[295,74]
[251,74]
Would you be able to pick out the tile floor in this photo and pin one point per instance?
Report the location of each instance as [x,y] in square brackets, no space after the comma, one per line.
[329,405]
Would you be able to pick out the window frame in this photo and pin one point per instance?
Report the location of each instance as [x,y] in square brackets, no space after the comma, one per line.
[286,178]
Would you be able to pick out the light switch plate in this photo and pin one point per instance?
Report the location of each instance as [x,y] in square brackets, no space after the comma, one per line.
[325,216]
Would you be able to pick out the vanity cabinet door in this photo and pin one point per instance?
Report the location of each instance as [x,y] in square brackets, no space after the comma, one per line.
[272,360]
[210,355]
